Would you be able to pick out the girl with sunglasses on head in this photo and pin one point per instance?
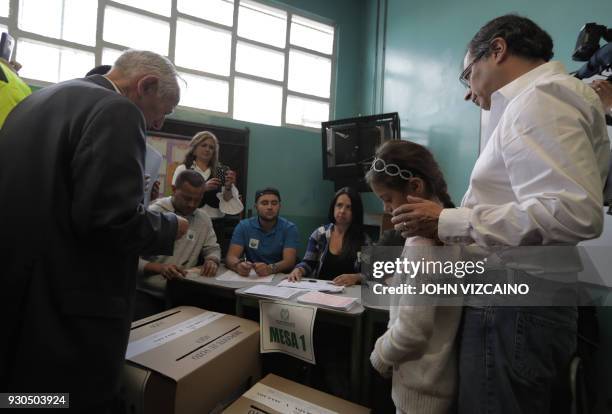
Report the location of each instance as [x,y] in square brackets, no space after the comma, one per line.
[418,349]
[333,249]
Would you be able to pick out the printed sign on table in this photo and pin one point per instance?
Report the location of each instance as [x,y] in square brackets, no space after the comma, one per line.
[287,328]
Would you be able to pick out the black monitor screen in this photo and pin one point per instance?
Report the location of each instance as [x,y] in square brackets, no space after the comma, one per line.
[350,144]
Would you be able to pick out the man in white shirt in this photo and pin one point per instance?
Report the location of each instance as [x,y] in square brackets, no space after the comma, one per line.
[200,242]
[538,181]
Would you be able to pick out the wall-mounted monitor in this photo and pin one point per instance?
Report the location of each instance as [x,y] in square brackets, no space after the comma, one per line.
[349,146]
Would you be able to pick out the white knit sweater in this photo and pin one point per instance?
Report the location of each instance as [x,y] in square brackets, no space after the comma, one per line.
[419,347]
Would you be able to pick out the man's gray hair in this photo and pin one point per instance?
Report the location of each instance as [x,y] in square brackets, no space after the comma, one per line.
[136,63]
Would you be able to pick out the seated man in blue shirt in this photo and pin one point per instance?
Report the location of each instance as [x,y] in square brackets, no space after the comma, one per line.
[268,242]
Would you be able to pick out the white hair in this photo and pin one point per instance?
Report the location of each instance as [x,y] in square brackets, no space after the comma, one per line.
[136,63]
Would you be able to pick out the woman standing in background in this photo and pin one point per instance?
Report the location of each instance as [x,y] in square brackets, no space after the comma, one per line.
[221,196]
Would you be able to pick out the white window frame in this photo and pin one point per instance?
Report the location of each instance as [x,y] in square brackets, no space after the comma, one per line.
[14,30]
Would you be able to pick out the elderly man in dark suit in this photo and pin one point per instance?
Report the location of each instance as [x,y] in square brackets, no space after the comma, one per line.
[73,226]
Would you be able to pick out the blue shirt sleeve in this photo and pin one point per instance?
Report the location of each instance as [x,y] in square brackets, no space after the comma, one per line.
[239,235]
[291,237]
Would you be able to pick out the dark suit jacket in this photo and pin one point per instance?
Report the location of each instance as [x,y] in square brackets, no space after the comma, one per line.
[72,226]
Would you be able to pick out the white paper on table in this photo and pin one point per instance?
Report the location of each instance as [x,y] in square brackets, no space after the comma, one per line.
[231,276]
[327,300]
[313,284]
[273,291]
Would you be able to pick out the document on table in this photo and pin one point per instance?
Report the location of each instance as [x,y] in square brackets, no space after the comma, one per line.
[273,291]
[331,301]
[231,276]
[313,284]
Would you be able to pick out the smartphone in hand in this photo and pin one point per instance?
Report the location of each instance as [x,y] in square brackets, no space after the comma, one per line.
[220,173]
[6,46]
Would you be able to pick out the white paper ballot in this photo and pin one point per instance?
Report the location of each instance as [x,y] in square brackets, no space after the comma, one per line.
[231,276]
[273,291]
[331,301]
[153,160]
[313,284]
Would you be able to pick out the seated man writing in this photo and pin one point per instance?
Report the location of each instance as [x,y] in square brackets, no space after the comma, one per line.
[199,240]
[268,242]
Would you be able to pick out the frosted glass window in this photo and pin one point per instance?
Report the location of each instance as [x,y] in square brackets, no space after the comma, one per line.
[136,31]
[306,112]
[260,61]
[4,9]
[203,47]
[309,73]
[162,7]
[75,63]
[257,102]
[73,20]
[205,93]
[220,11]
[262,23]
[312,35]
[109,56]
[50,63]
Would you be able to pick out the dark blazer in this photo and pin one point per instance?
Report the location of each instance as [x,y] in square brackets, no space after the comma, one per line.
[72,226]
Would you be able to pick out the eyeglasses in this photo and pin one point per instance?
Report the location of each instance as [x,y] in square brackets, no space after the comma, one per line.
[379,165]
[464,78]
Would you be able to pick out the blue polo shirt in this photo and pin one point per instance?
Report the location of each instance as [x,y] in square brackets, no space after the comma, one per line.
[266,247]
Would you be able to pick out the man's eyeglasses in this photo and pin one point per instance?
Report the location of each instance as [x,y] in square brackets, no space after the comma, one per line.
[379,165]
[464,78]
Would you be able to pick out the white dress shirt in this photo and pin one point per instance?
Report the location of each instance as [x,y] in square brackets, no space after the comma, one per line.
[540,177]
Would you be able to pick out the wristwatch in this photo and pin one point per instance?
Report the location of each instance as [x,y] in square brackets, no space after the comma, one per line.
[273,267]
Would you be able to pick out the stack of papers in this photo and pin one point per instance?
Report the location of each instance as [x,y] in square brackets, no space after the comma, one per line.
[231,276]
[272,291]
[313,284]
[330,301]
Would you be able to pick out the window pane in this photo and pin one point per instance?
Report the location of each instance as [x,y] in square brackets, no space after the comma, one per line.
[306,112]
[260,61]
[42,17]
[45,18]
[309,74]
[257,102]
[52,63]
[38,60]
[4,9]
[3,28]
[147,34]
[312,35]
[109,56]
[75,63]
[262,23]
[220,11]
[155,6]
[203,47]
[205,93]
[80,19]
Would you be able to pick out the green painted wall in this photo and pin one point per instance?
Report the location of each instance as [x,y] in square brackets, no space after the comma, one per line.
[424,49]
